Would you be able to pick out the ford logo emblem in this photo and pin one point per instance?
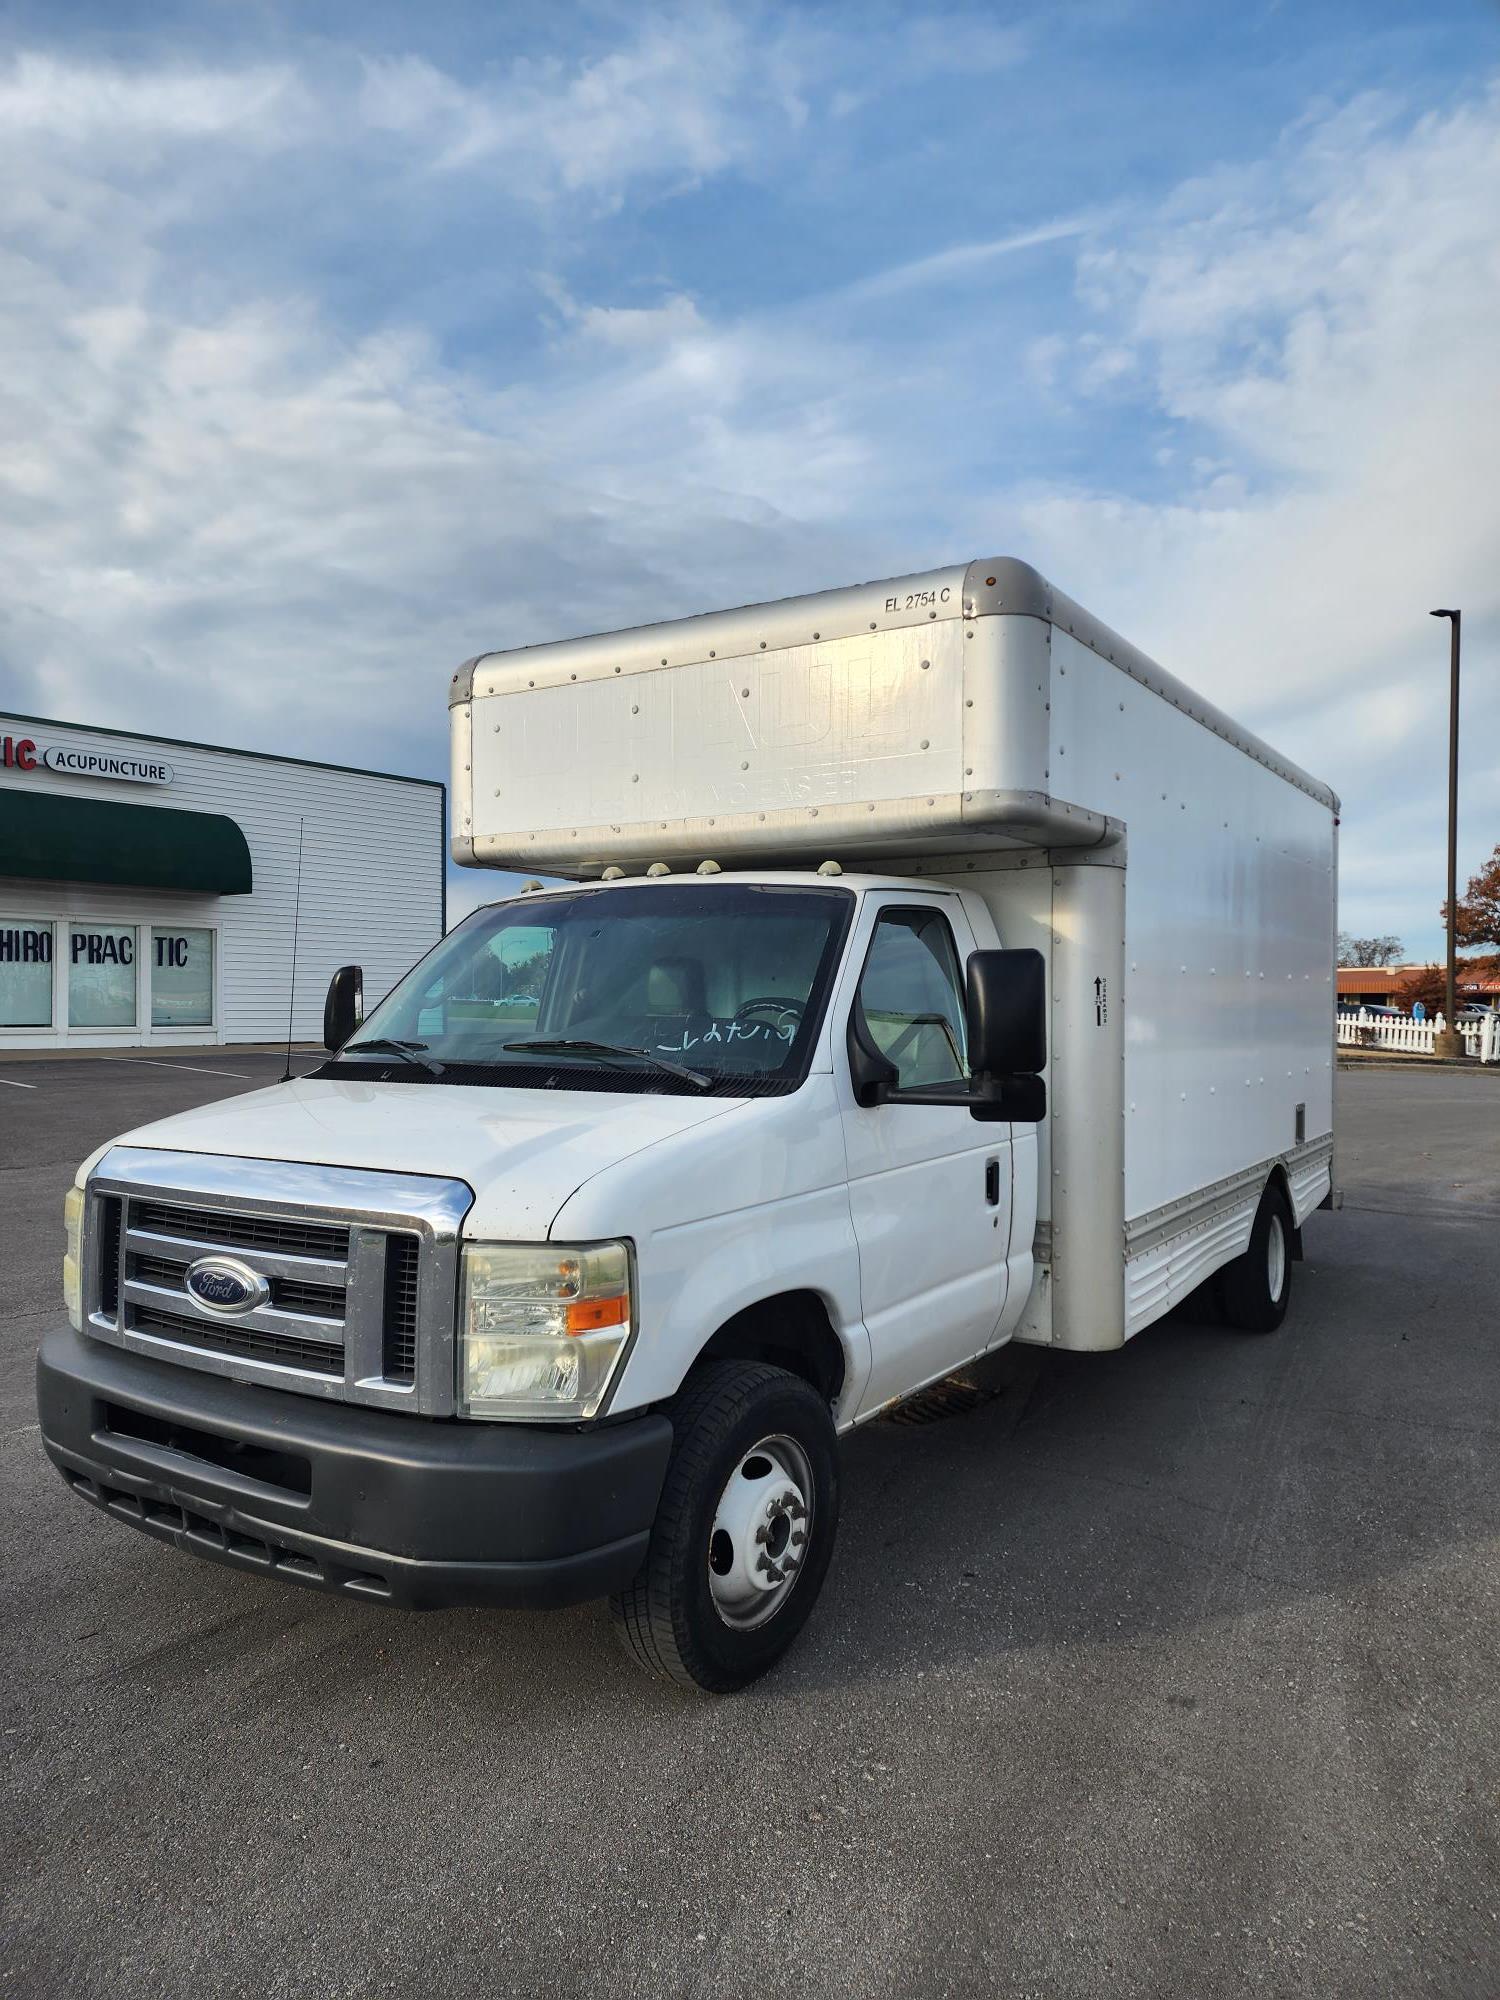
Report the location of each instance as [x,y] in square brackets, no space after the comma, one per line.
[225,1285]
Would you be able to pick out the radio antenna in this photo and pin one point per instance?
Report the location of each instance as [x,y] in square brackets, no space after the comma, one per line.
[291,998]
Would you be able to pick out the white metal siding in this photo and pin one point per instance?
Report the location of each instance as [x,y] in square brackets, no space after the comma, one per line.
[1229,917]
[372,874]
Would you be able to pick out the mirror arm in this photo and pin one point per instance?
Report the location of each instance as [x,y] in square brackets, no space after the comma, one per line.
[872,1073]
[1020,1099]
[961,1095]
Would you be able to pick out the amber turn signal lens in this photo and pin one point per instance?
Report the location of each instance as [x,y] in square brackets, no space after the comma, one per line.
[588,1315]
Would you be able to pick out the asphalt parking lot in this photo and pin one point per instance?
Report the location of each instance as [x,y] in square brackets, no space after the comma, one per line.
[1166,1673]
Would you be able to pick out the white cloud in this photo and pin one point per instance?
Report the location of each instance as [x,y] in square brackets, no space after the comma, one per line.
[89,105]
[1326,322]
[687,96]
[225,509]
[961,260]
[223,514]
[637,328]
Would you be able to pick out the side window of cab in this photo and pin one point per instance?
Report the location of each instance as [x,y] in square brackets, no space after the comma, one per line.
[911,991]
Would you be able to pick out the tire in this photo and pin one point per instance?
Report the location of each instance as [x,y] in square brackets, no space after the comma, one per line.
[1255,1289]
[727,1584]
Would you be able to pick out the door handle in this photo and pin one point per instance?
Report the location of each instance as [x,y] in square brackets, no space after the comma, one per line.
[992,1182]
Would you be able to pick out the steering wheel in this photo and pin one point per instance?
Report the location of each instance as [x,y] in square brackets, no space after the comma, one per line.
[777,1005]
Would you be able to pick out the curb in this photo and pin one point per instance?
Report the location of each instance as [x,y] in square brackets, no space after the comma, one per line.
[1396,1061]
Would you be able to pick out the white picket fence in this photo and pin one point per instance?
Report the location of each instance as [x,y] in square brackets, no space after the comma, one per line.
[1378,1031]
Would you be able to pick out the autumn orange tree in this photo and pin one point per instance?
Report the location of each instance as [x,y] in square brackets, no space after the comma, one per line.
[1429,984]
[1479,908]
[1478,923]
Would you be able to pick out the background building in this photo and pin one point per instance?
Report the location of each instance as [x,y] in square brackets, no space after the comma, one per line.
[149,887]
[1371,985]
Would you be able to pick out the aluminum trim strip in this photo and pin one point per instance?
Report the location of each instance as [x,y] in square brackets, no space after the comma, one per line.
[1205,1205]
[274,1263]
[286,1188]
[266,1319]
[264,1374]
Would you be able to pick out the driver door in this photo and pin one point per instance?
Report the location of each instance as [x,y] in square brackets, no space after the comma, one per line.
[929,1186]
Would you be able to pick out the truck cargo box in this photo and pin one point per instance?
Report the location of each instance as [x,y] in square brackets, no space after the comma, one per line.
[976,726]
[923,714]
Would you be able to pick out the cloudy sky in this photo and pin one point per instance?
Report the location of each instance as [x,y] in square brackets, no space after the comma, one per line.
[341,342]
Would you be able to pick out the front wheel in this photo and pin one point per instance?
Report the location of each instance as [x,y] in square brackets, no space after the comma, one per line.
[744,1530]
[1255,1289]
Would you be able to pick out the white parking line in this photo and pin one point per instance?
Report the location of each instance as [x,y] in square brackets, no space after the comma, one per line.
[19,1086]
[155,1062]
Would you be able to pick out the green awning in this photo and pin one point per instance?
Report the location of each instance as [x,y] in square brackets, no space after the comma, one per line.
[48,837]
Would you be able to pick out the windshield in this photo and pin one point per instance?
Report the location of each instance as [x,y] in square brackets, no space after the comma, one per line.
[726,981]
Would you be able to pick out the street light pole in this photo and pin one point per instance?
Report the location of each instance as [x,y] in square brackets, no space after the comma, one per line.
[1451,1042]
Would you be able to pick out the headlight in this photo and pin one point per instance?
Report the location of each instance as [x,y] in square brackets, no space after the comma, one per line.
[543,1328]
[73,1256]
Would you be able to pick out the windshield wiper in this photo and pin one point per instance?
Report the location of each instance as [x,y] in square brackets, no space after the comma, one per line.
[408,1051]
[562,1045]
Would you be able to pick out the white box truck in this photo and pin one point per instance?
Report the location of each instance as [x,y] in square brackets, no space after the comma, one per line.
[922,968]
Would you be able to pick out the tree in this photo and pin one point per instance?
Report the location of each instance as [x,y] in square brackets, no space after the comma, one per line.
[1373,950]
[1479,908]
[1429,984]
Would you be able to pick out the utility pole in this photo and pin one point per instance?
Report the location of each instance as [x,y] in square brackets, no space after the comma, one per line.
[1450,1042]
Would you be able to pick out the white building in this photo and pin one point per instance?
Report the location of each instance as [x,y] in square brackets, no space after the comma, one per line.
[149,887]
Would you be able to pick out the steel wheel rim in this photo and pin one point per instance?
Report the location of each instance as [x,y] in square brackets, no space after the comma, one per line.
[761,1532]
[1275,1258]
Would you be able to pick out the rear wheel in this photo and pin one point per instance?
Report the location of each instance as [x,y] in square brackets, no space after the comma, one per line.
[744,1531]
[1255,1289]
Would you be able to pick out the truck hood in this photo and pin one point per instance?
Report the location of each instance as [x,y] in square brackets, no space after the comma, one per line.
[523,1152]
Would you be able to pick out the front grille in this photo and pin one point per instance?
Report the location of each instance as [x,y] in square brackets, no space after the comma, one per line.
[290,1295]
[399,1346]
[109,1255]
[157,1271]
[253,1343]
[295,1295]
[358,1271]
[278,1234]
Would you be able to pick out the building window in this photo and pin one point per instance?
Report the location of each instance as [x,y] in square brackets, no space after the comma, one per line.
[25,973]
[182,978]
[101,976]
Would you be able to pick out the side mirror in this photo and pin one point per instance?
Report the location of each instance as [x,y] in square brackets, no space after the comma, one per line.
[1007,1020]
[1007,1010]
[1006,1016]
[344,1008]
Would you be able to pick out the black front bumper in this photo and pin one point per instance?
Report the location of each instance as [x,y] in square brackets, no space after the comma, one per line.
[402,1510]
